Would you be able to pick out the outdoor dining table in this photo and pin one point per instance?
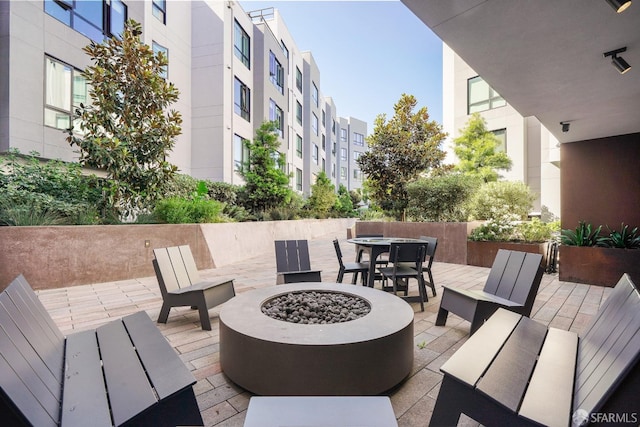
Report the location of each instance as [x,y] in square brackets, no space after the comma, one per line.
[375,246]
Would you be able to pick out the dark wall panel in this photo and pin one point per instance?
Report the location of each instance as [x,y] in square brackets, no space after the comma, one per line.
[601,182]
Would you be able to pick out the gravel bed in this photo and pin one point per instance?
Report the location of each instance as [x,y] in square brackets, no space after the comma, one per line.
[316,307]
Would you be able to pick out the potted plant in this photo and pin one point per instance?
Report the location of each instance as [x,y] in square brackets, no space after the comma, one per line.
[588,256]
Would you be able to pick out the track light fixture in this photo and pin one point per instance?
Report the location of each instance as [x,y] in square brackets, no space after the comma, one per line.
[619,5]
[565,126]
[617,61]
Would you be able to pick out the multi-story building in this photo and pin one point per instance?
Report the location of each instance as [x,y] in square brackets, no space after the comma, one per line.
[530,146]
[234,71]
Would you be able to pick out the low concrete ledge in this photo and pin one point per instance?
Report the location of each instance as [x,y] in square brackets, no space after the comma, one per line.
[59,256]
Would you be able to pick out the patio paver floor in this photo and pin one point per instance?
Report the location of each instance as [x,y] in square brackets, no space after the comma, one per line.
[563,305]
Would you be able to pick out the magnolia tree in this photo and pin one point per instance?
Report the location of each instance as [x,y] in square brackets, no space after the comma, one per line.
[128,129]
[400,149]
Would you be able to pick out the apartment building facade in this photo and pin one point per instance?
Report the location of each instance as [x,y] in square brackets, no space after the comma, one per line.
[234,71]
[534,151]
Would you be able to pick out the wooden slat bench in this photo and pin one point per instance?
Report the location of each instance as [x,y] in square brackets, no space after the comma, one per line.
[293,264]
[517,372]
[123,373]
[181,285]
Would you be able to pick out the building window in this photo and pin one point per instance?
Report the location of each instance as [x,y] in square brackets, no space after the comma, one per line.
[324,119]
[314,94]
[343,135]
[356,155]
[333,170]
[358,139]
[284,49]
[65,89]
[343,173]
[314,123]
[501,135]
[298,179]
[324,143]
[299,79]
[481,96]
[242,45]
[160,10]
[314,154]
[94,19]
[299,112]
[343,154]
[333,149]
[324,164]
[299,146]
[242,100]
[333,126]
[276,72]
[275,115]
[156,49]
[356,174]
[240,153]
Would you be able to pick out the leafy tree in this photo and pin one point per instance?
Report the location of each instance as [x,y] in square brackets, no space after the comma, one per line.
[441,198]
[476,149]
[503,199]
[126,130]
[344,202]
[323,196]
[400,150]
[266,185]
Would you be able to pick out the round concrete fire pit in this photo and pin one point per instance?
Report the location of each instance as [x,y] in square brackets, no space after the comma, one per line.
[365,356]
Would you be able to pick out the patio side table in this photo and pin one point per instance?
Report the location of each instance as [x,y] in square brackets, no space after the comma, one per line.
[326,411]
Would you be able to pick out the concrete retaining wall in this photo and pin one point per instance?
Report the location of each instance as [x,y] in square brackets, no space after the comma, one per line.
[59,256]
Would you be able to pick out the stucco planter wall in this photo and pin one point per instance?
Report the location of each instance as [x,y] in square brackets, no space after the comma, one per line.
[452,236]
[598,266]
[59,256]
[483,253]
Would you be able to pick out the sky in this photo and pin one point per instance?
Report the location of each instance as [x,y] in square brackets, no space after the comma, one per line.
[368,52]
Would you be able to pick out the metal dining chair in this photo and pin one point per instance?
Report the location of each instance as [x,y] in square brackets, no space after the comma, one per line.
[406,261]
[350,267]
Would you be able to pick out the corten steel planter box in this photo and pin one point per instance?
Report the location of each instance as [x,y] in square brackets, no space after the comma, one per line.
[482,253]
[597,266]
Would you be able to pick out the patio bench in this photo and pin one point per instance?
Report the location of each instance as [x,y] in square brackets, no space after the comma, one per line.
[123,373]
[515,371]
[293,264]
[512,283]
[181,285]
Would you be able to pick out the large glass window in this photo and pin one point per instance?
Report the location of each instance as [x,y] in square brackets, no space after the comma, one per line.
[299,112]
[358,139]
[95,19]
[242,45]
[242,100]
[158,48]
[299,79]
[481,96]
[314,153]
[343,135]
[356,155]
[314,123]
[324,143]
[276,115]
[343,173]
[160,10]
[314,94]
[276,72]
[343,154]
[299,146]
[240,152]
[65,89]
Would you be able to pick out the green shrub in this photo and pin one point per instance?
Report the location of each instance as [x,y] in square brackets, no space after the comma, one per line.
[502,199]
[177,210]
[536,230]
[624,238]
[493,230]
[441,198]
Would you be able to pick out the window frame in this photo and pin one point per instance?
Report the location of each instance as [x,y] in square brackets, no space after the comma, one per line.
[276,72]
[298,179]
[298,112]
[69,98]
[299,146]
[242,106]
[159,10]
[314,123]
[276,115]
[240,163]
[239,46]
[299,79]
[493,99]
[96,28]
[315,95]
[157,47]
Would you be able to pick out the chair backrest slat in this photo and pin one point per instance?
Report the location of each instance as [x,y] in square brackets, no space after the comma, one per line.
[166,277]
[497,270]
[528,281]
[190,264]
[178,267]
[609,354]
[336,245]
[510,276]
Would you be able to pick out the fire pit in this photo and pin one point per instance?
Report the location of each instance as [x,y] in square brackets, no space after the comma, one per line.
[364,355]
